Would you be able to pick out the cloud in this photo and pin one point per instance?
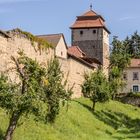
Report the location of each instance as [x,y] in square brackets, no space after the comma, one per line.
[15,1]
[127,18]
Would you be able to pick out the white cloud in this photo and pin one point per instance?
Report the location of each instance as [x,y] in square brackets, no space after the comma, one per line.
[127,18]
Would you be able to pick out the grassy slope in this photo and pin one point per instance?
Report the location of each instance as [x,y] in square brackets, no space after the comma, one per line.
[110,121]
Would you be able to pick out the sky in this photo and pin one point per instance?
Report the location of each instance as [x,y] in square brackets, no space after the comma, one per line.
[56,16]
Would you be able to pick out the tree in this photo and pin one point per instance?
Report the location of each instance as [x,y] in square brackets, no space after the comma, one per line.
[119,60]
[116,81]
[96,87]
[55,90]
[133,45]
[22,97]
[36,87]
[119,56]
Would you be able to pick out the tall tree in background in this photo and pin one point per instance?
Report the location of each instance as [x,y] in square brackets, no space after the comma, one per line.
[133,45]
[119,60]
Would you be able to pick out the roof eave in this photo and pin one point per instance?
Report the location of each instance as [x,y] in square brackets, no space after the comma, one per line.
[81,60]
[91,27]
[5,34]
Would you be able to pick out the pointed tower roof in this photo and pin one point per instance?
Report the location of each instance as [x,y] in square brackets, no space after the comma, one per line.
[90,13]
[89,19]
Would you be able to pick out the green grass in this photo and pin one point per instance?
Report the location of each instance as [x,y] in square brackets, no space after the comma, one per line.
[110,121]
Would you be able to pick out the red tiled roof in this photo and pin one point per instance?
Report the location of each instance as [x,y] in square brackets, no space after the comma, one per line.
[90,13]
[82,61]
[88,23]
[76,51]
[135,63]
[89,20]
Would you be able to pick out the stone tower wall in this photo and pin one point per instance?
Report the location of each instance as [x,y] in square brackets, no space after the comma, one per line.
[95,45]
[89,42]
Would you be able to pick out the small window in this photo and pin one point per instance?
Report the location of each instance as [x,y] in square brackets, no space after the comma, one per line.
[135,76]
[125,76]
[81,32]
[135,88]
[94,31]
[61,53]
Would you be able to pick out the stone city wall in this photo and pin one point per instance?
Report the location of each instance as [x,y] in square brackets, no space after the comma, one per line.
[74,72]
[11,46]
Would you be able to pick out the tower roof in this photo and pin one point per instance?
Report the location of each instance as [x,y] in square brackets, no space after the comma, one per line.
[89,19]
[90,13]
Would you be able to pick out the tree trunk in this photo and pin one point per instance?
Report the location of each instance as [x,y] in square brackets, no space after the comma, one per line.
[93,107]
[113,96]
[12,126]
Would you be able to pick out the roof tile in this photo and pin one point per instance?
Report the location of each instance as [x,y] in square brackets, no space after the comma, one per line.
[53,39]
[89,20]
[76,51]
[135,63]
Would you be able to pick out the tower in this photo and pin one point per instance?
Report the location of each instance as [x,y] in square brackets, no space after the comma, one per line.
[91,35]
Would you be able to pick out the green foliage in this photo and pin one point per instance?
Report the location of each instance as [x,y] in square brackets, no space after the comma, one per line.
[35,87]
[96,87]
[55,90]
[25,96]
[134,94]
[119,56]
[7,91]
[119,60]
[133,45]
[115,81]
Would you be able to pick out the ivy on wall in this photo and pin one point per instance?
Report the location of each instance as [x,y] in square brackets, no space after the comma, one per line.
[42,44]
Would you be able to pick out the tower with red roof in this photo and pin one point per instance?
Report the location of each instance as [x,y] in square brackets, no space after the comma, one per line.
[90,33]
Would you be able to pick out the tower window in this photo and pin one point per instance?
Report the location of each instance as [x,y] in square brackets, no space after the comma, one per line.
[94,31]
[81,32]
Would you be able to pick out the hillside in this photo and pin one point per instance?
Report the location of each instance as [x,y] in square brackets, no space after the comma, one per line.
[110,121]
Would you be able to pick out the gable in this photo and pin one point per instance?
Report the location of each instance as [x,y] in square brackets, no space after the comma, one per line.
[61,48]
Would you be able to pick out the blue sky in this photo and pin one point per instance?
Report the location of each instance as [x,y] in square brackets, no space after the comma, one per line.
[56,16]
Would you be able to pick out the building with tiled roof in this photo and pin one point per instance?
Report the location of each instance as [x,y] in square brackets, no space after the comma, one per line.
[132,76]
[52,38]
[135,63]
[89,48]
[76,51]
[91,35]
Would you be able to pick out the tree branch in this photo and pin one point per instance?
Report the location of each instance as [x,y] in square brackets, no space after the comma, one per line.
[18,67]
